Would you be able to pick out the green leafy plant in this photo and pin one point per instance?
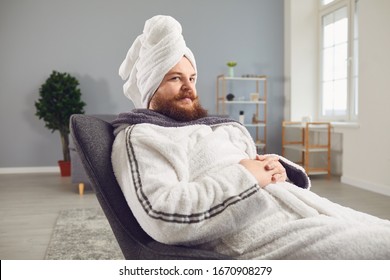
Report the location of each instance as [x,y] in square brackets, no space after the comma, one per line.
[231,63]
[59,98]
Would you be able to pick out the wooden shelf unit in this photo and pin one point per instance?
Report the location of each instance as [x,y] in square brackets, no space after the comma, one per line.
[222,104]
[306,145]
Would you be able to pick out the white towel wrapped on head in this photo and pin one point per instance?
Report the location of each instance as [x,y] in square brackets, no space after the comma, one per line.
[157,50]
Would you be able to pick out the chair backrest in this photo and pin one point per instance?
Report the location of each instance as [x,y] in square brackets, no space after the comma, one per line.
[93,139]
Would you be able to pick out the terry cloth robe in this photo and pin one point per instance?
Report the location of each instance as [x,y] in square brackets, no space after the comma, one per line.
[185,186]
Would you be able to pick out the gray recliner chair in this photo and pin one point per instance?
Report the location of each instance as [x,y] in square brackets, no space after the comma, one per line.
[78,175]
[93,139]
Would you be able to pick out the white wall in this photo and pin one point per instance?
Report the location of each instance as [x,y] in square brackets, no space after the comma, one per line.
[366,161]
[300,59]
[365,148]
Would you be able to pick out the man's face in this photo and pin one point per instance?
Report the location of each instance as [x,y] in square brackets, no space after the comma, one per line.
[176,96]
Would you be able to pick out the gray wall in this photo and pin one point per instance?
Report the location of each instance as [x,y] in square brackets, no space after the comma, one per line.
[90,38]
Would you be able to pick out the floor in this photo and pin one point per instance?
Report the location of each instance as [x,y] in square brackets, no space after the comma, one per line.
[30,203]
[29,207]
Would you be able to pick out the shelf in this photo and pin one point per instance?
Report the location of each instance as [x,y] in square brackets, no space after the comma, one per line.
[313,126]
[243,102]
[254,124]
[302,148]
[257,78]
[317,172]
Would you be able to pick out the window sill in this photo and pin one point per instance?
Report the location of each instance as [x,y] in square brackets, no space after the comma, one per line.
[345,125]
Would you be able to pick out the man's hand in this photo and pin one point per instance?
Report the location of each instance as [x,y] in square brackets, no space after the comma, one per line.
[272,163]
[266,169]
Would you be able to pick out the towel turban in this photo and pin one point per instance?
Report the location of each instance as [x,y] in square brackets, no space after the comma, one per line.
[157,50]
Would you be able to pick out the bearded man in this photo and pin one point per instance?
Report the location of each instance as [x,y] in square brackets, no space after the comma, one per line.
[176,97]
[196,180]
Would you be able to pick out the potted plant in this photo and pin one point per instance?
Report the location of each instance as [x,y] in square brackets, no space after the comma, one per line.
[59,98]
[231,65]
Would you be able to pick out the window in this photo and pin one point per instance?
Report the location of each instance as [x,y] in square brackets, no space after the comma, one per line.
[326,2]
[338,66]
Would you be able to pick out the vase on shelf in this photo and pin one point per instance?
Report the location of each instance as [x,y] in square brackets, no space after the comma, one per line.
[241,118]
[231,65]
[231,71]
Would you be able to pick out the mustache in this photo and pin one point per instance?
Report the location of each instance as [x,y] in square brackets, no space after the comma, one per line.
[186,95]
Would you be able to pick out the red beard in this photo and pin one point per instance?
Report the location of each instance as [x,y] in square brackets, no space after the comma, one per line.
[170,108]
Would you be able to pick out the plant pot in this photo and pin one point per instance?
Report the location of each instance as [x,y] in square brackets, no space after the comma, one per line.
[231,71]
[64,168]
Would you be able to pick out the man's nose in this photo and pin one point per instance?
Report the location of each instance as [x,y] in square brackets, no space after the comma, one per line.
[188,85]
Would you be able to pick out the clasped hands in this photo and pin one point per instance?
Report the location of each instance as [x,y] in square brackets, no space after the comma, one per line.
[266,168]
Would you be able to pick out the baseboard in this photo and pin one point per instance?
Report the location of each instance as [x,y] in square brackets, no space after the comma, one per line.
[20,170]
[369,186]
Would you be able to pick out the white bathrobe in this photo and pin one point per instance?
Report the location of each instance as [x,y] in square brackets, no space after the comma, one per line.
[184,184]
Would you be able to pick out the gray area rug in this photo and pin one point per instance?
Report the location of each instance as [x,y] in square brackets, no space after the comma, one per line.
[83,234]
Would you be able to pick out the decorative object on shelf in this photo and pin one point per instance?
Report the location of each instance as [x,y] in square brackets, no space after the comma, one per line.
[254,96]
[306,119]
[59,98]
[258,142]
[255,120]
[231,65]
[230,97]
[241,117]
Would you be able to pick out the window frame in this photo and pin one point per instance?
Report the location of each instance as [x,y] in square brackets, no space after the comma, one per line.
[352,59]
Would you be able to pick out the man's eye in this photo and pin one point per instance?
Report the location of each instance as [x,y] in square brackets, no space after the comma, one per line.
[175,78]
